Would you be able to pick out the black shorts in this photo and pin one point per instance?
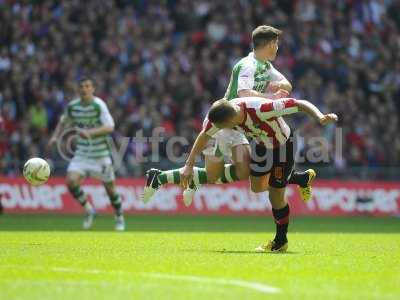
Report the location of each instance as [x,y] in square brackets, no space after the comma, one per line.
[278,162]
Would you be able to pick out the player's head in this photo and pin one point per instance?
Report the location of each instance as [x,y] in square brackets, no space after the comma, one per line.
[265,41]
[86,88]
[223,114]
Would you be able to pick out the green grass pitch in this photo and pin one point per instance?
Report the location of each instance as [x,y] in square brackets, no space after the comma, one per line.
[191,257]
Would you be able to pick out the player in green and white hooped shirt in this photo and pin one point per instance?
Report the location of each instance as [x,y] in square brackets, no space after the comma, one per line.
[91,118]
[253,75]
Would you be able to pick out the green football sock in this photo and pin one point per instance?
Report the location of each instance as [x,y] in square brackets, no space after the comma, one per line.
[116,203]
[174,176]
[199,176]
[170,176]
[79,195]
[229,175]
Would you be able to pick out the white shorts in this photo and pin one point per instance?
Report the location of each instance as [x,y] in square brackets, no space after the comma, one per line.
[100,168]
[223,142]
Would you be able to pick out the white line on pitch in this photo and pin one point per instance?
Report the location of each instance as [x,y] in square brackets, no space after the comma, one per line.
[261,287]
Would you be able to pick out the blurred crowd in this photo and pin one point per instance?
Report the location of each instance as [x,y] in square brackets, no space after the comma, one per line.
[159,64]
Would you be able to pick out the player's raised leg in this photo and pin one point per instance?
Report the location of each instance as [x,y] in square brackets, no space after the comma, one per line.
[214,168]
[229,144]
[304,181]
[73,182]
[116,203]
[156,178]
[215,172]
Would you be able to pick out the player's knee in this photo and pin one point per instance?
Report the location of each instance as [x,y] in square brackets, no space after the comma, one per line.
[74,189]
[242,171]
[110,189]
[214,168]
[241,158]
[73,181]
[111,192]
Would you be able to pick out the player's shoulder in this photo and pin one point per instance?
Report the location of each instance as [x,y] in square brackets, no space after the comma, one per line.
[247,62]
[270,66]
[99,102]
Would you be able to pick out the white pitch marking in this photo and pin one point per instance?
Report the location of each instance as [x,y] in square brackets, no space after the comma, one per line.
[261,287]
[221,281]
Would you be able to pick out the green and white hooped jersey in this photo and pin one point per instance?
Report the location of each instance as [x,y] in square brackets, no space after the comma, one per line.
[86,116]
[251,74]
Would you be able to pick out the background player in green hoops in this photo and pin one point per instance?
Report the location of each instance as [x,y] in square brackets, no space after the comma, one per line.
[93,121]
[252,76]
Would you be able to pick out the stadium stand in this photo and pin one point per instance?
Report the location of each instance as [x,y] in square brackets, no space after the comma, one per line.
[161,64]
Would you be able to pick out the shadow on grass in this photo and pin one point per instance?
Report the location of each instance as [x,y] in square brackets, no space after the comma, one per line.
[238,252]
[15,222]
[253,252]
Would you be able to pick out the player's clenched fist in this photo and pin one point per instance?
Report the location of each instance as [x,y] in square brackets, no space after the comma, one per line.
[280,94]
[328,118]
[186,176]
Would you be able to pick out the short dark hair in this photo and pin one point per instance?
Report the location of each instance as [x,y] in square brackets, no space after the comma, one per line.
[85,78]
[264,34]
[221,111]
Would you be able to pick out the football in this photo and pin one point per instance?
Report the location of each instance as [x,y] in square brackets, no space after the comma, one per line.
[36,171]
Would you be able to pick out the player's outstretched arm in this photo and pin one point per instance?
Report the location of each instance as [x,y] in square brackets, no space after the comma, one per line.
[198,147]
[59,128]
[314,112]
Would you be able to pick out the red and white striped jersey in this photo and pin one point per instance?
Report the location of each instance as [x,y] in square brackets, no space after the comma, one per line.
[263,120]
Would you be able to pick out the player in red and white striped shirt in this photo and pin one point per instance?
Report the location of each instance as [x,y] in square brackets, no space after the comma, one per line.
[261,120]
